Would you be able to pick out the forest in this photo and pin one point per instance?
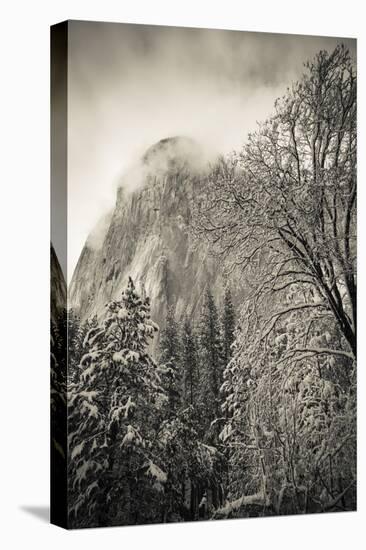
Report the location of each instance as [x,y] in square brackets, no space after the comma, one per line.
[250,410]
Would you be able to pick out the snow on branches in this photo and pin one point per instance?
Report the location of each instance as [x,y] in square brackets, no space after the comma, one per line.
[282,213]
[113,406]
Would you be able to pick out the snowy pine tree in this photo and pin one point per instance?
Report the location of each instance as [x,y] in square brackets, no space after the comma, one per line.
[190,366]
[75,339]
[58,387]
[192,466]
[113,411]
[228,325]
[170,362]
[210,359]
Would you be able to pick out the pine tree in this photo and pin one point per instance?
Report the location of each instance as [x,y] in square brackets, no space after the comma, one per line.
[210,354]
[58,418]
[192,466]
[170,362]
[189,365]
[228,326]
[75,337]
[113,410]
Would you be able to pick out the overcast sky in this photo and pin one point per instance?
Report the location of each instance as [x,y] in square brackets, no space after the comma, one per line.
[132,85]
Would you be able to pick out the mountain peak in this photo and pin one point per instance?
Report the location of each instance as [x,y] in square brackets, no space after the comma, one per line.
[149,238]
[171,156]
[174,146]
[174,153]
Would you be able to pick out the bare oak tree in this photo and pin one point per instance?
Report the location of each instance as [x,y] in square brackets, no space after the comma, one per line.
[287,200]
[282,213]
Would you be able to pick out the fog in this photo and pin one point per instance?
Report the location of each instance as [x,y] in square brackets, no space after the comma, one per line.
[131,85]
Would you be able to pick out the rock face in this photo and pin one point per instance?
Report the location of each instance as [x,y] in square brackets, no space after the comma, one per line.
[148,238]
[58,288]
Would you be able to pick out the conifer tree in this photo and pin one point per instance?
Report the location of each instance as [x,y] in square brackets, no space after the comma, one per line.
[169,362]
[210,354]
[113,410]
[58,385]
[228,326]
[75,337]
[189,365]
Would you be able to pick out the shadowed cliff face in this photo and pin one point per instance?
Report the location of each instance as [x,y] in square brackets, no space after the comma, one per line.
[58,287]
[147,237]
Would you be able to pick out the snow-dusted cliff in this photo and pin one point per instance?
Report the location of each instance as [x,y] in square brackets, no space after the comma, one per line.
[147,237]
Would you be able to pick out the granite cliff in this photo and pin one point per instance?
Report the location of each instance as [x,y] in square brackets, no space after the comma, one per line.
[148,237]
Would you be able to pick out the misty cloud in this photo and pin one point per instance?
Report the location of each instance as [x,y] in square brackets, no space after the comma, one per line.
[132,85]
[96,236]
